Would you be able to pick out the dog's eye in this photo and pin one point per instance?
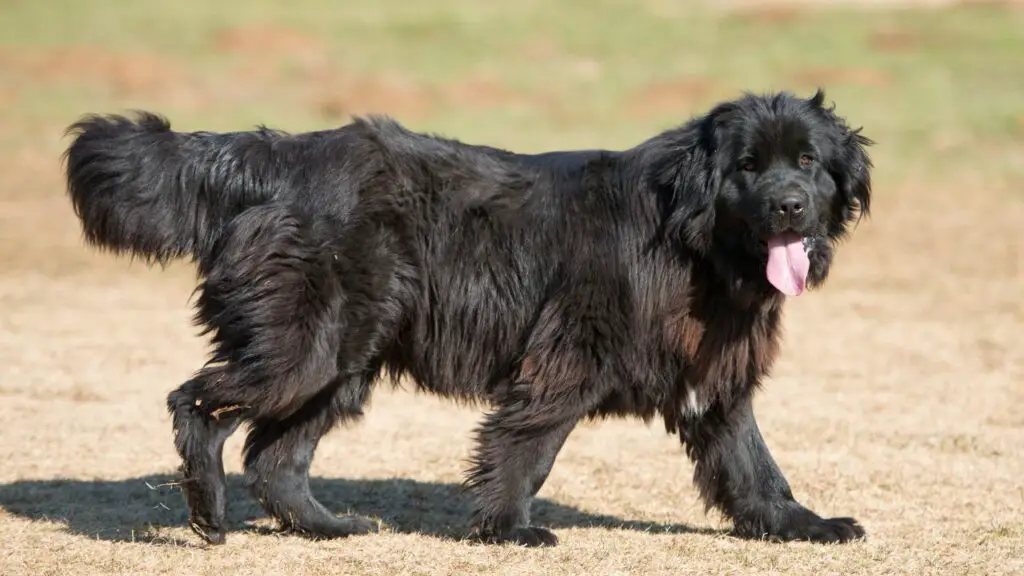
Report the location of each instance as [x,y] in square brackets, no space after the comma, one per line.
[806,161]
[747,165]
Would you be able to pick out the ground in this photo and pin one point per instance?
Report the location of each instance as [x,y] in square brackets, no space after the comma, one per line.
[898,398]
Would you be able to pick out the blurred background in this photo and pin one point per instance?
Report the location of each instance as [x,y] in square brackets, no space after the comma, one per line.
[898,398]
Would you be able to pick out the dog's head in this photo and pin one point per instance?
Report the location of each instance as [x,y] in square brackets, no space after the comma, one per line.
[769,183]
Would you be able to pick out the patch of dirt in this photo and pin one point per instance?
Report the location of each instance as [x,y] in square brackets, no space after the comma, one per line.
[669,96]
[131,73]
[269,55]
[337,94]
[483,93]
[894,41]
[771,14]
[748,6]
[334,93]
[264,49]
[404,97]
[267,41]
[778,11]
[825,76]
[1018,125]
[547,50]
[993,2]
[7,96]
[539,49]
[393,95]
[74,394]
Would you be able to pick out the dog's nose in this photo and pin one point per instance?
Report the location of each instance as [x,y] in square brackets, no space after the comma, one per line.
[789,205]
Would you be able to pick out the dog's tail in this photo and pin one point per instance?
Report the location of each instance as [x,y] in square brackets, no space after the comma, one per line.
[140,188]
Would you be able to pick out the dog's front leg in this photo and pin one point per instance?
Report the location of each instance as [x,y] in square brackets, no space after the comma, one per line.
[513,460]
[736,473]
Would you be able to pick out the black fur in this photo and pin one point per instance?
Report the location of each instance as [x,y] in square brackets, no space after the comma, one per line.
[553,287]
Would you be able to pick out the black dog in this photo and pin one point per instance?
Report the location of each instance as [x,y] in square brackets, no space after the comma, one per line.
[554,287]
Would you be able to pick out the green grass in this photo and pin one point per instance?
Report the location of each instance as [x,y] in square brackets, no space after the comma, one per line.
[961,74]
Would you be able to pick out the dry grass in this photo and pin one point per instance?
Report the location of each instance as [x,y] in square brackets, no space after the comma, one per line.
[898,398]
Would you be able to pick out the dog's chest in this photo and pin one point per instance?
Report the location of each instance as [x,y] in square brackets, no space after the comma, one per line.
[723,351]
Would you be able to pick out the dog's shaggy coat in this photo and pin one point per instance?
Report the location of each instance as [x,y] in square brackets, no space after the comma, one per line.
[554,287]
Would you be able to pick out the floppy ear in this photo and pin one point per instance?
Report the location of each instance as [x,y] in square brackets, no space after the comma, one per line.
[851,166]
[687,175]
[856,170]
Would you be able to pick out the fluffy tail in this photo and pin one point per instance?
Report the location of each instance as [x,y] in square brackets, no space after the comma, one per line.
[142,189]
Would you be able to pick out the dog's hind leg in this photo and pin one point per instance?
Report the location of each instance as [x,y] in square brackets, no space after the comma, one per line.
[300,325]
[272,304]
[199,436]
[278,454]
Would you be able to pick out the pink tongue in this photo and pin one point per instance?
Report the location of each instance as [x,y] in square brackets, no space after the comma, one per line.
[787,263]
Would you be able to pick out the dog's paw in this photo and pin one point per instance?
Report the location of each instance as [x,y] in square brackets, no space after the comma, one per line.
[796,523]
[822,530]
[206,513]
[330,527]
[530,537]
[211,533]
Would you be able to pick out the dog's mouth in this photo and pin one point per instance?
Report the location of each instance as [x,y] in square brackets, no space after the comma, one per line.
[788,262]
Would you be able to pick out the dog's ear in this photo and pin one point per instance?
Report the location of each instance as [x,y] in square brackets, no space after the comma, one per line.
[817,99]
[687,173]
[851,166]
[856,170]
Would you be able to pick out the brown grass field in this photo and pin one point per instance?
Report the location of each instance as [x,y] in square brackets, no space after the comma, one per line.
[899,397]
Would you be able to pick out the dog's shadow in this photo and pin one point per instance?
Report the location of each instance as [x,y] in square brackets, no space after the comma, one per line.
[131,510]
